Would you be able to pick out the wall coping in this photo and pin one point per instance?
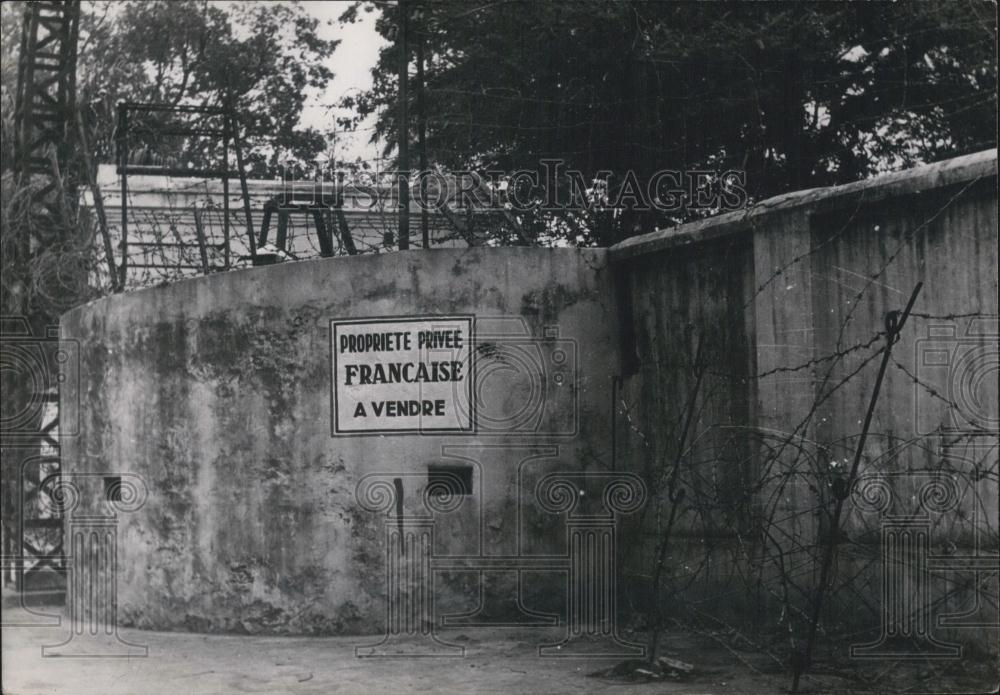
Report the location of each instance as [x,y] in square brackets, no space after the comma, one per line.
[252,280]
[964,169]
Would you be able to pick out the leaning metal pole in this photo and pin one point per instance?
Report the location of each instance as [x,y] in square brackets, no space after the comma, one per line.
[894,322]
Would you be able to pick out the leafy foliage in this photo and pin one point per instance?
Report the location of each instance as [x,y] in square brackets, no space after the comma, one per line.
[798,95]
[259,58]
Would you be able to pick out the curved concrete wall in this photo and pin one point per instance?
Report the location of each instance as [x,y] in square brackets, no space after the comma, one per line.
[217,392]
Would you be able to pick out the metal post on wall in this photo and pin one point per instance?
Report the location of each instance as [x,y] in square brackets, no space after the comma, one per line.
[122,152]
[233,127]
[95,192]
[202,242]
[225,192]
[425,234]
[199,129]
[403,131]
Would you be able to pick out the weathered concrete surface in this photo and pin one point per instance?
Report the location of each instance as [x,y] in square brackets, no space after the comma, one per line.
[958,171]
[789,300]
[216,391]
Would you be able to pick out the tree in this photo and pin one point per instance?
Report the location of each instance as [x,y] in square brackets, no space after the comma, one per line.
[258,58]
[797,95]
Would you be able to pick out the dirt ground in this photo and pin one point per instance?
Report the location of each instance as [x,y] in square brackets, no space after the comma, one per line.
[496,660]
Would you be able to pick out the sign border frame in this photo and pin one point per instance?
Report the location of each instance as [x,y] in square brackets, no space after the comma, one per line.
[472,429]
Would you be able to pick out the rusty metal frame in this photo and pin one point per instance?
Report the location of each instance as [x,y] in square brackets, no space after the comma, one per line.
[228,133]
[44,140]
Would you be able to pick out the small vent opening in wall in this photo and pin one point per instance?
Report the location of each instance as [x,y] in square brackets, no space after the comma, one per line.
[454,479]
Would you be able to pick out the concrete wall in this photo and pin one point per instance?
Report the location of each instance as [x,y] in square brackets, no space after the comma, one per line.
[741,350]
[216,391]
[789,300]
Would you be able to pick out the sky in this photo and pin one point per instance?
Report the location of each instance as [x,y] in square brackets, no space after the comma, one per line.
[351,64]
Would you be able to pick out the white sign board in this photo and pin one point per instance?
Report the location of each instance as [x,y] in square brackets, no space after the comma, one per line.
[402,375]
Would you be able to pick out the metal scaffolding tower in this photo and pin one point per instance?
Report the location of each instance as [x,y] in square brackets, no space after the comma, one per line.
[44,141]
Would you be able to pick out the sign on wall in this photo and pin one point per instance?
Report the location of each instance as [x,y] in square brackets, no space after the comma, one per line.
[402,375]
